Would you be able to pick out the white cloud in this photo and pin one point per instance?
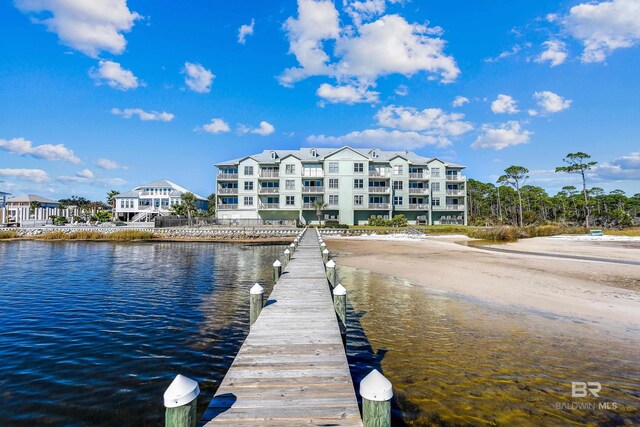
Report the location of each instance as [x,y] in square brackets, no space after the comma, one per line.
[383,138]
[346,94]
[109,164]
[401,90]
[364,10]
[244,31]
[127,113]
[532,112]
[388,45]
[460,101]
[86,176]
[504,104]
[23,147]
[555,53]
[502,136]
[215,126]
[33,175]
[88,26]
[603,27]
[507,53]
[114,75]
[622,168]
[264,129]
[551,102]
[198,79]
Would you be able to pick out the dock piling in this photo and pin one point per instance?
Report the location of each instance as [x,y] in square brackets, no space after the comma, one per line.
[256,301]
[277,270]
[376,392]
[287,256]
[340,305]
[325,256]
[331,272]
[292,248]
[181,402]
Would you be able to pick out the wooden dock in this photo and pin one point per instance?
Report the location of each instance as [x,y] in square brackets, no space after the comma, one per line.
[292,368]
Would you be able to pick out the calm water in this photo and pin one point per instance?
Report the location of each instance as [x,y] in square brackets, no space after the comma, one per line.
[93,333]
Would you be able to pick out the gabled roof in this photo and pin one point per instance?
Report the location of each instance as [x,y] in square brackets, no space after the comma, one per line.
[28,198]
[304,154]
[177,190]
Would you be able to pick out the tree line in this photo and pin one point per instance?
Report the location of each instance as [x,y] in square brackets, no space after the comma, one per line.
[511,201]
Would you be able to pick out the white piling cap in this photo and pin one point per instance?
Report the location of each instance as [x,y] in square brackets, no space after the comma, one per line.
[326,251]
[331,264]
[277,263]
[376,387]
[340,290]
[181,391]
[256,289]
[293,245]
[287,251]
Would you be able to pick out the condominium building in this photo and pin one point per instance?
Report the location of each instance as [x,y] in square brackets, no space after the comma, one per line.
[153,199]
[356,184]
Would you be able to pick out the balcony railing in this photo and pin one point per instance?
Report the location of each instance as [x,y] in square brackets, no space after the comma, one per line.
[227,191]
[423,175]
[308,206]
[378,189]
[269,190]
[269,173]
[227,176]
[381,174]
[455,207]
[418,207]
[378,205]
[225,207]
[455,192]
[315,189]
[455,178]
[315,174]
[269,205]
[418,190]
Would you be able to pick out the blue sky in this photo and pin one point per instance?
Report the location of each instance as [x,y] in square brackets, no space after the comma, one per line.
[112,94]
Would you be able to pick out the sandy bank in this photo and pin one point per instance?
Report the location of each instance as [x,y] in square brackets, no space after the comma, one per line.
[604,295]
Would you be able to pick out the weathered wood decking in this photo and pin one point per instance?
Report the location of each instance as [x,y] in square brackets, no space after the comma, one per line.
[292,368]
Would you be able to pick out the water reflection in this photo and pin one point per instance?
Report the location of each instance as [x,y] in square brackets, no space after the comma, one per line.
[454,362]
[92,333]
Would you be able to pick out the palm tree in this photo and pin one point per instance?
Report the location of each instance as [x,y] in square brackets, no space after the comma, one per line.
[33,206]
[319,205]
[111,200]
[189,202]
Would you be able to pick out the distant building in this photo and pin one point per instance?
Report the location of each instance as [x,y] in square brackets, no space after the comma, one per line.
[19,207]
[150,200]
[3,199]
[356,184]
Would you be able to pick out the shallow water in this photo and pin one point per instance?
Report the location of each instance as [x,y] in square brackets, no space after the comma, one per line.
[93,333]
[455,362]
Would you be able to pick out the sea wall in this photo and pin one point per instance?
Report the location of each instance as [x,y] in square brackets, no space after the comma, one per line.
[217,233]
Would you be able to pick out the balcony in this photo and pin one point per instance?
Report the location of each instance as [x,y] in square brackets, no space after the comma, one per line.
[269,206]
[269,190]
[319,173]
[379,206]
[314,189]
[224,176]
[419,176]
[455,192]
[455,207]
[225,207]
[418,190]
[418,207]
[379,189]
[380,174]
[268,173]
[455,178]
[227,191]
[308,206]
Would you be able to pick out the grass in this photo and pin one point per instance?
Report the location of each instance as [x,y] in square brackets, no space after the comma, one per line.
[11,234]
[629,232]
[122,235]
[509,234]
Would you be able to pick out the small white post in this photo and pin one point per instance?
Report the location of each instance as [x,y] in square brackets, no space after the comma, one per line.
[325,256]
[323,246]
[277,270]
[376,392]
[340,305]
[181,402]
[331,272]
[287,256]
[255,303]
[292,247]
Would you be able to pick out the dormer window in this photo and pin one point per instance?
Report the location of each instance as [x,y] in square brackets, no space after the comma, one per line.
[314,152]
[273,155]
[374,154]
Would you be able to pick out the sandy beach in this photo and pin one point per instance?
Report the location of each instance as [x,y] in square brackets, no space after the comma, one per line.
[603,294]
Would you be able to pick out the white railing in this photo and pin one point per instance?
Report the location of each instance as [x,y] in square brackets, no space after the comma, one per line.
[268,173]
[227,176]
[455,207]
[378,205]
[455,178]
[455,192]
[418,207]
[418,190]
[378,189]
[227,191]
[269,205]
[419,175]
[222,207]
[381,174]
[307,206]
[269,190]
[310,189]
[313,174]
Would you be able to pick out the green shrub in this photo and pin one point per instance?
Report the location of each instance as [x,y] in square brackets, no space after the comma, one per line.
[397,221]
[11,234]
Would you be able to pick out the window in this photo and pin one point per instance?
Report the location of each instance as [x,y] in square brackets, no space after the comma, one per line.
[248,185]
[334,167]
[358,167]
[398,185]
[248,170]
[435,172]
[290,200]
[435,186]
[333,199]
[398,200]
[358,200]
[398,169]
[248,201]
[435,201]
[290,184]
[121,204]
[290,169]
[358,183]
[333,182]
[314,153]
[273,155]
